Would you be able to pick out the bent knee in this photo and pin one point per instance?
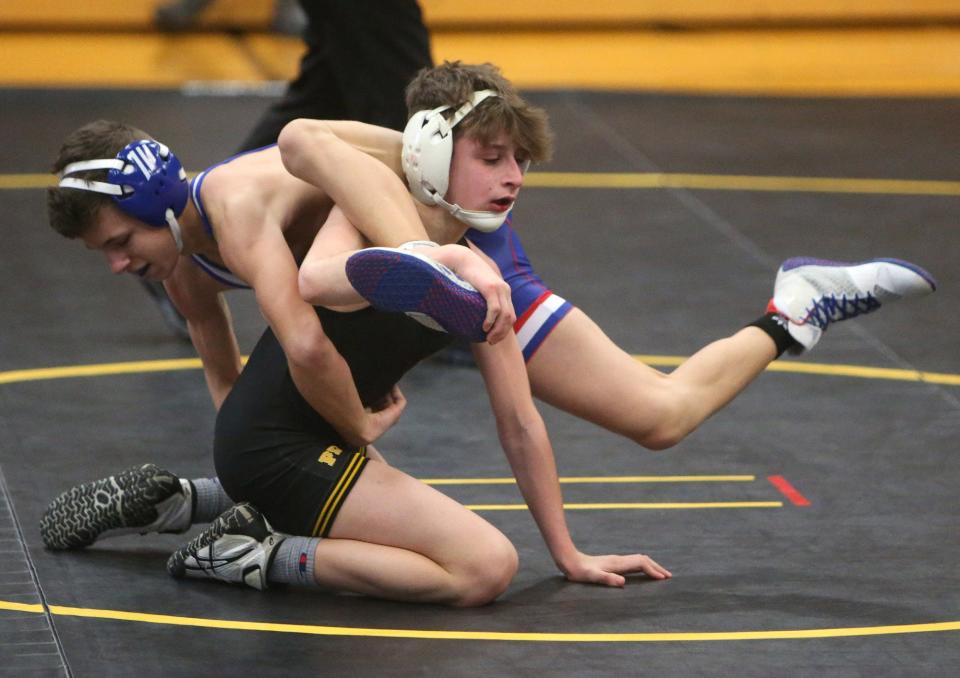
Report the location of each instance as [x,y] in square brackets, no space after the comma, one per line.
[666,427]
[300,140]
[484,581]
[660,438]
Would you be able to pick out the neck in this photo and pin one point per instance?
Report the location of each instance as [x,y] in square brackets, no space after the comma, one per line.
[195,238]
[442,227]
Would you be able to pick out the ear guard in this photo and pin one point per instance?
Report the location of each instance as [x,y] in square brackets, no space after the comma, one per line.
[145,180]
[426,157]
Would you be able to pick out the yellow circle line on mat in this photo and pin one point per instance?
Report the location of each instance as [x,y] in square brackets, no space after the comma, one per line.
[425,634]
[143,366]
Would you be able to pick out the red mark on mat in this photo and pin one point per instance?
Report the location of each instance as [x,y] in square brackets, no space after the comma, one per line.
[789,491]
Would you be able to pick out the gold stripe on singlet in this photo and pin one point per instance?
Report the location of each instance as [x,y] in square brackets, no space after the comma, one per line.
[338,493]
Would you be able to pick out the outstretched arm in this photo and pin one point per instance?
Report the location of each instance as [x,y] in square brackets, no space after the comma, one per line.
[200,300]
[525,441]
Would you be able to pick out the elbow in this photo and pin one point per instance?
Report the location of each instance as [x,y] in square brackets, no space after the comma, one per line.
[309,349]
[518,433]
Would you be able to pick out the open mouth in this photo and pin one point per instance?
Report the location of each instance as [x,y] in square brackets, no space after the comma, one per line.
[503,203]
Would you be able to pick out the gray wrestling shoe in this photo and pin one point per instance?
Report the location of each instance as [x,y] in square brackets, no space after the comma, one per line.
[141,499]
[237,548]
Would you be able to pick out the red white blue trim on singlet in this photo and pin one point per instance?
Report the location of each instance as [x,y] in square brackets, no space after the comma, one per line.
[538,308]
[218,272]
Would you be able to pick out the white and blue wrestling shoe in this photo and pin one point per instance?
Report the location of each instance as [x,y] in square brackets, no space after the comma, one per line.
[400,281]
[812,293]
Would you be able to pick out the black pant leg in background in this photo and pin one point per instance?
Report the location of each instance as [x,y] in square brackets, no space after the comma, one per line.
[360,56]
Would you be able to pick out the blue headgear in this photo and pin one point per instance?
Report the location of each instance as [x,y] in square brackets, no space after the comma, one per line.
[146,181]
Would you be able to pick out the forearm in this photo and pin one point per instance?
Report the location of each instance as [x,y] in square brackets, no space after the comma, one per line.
[326,383]
[219,353]
[323,281]
[332,156]
[531,459]
[211,329]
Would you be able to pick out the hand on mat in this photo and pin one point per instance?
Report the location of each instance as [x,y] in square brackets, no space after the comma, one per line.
[609,570]
[383,415]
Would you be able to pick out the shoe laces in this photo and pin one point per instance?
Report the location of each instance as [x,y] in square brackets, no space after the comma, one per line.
[830,308]
[205,538]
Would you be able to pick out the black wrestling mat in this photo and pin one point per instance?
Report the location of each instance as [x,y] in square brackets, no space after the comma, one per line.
[811,526]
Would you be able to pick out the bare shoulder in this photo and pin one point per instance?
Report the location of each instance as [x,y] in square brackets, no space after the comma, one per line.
[238,197]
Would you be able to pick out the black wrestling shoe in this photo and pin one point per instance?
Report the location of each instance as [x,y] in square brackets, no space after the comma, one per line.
[237,548]
[139,500]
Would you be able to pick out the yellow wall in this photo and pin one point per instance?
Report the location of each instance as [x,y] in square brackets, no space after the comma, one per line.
[779,47]
[454,14]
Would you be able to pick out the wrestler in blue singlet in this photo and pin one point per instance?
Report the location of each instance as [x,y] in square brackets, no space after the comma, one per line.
[217,271]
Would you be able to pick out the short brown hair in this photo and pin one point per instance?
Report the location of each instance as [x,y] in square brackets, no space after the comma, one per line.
[71,211]
[453,83]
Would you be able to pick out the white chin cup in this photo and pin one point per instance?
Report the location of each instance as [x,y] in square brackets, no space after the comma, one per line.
[487,222]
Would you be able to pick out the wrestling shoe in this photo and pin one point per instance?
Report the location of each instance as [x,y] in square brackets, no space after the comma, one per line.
[141,499]
[238,548]
[812,293]
[427,291]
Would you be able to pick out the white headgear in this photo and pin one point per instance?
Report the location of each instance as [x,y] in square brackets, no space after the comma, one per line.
[427,152]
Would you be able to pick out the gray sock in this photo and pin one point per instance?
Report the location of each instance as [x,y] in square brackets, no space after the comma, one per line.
[293,562]
[210,500]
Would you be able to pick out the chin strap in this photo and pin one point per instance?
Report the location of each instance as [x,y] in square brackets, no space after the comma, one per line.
[487,222]
[175,230]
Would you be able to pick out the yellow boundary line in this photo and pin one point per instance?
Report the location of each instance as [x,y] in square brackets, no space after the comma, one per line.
[642,506]
[596,479]
[658,180]
[422,634]
[145,366]
[722,182]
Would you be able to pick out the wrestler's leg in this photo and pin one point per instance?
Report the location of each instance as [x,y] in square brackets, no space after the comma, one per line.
[579,369]
[398,538]
[393,537]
